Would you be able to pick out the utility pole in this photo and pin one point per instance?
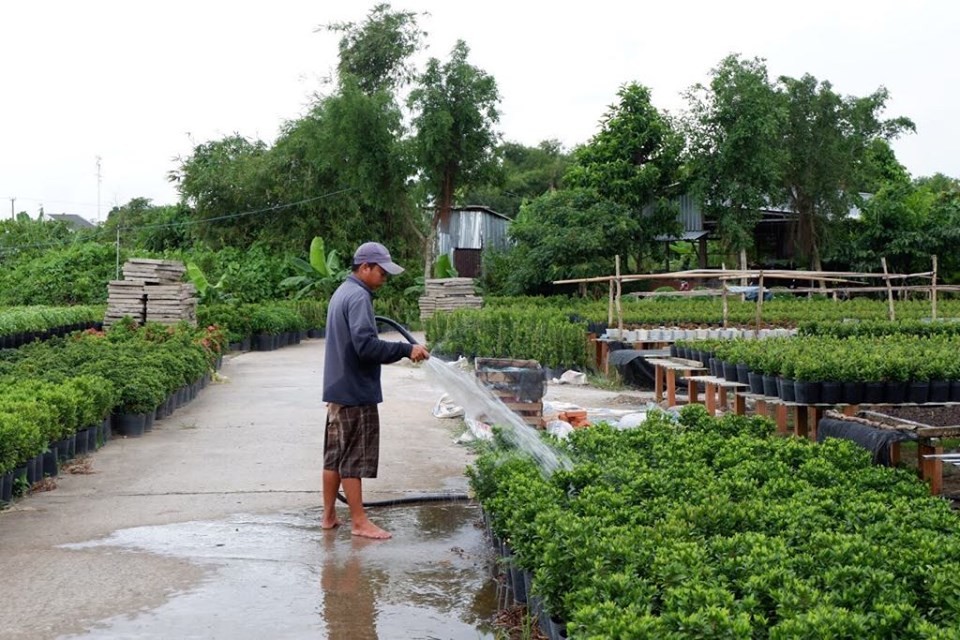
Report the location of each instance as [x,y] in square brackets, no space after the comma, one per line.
[13,215]
[99,180]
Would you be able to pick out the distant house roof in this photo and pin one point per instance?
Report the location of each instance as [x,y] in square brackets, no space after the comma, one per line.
[72,220]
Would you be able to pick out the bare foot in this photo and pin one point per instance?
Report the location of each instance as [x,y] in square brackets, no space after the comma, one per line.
[370,530]
[332,523]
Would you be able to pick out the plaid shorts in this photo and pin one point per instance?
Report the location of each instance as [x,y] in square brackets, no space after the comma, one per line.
[351,441]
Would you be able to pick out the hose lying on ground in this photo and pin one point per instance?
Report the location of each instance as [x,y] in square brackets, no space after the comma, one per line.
[418,499]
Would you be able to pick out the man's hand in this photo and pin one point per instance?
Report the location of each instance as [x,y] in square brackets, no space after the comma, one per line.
[419,353]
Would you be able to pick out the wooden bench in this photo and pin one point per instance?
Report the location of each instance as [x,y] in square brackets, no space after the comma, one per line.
[716,389]
[665,375]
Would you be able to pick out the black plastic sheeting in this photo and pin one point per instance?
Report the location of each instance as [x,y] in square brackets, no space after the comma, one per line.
[634,370]
[877,441]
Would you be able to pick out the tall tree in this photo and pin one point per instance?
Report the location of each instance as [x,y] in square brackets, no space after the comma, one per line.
[455,112]
[634,161]
[221,180]
[736,156]
[377,52]
[828,138]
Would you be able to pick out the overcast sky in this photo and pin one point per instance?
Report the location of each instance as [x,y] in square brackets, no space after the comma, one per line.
[139,83]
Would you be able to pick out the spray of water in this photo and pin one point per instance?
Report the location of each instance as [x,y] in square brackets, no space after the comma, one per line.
[479,403]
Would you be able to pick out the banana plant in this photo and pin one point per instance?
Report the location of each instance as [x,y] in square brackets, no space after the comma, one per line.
[209,293]
[317,277]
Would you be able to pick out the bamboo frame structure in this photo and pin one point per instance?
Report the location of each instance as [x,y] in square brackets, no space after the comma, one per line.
[615,283]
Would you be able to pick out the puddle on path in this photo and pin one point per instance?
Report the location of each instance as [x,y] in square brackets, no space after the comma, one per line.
[284,577]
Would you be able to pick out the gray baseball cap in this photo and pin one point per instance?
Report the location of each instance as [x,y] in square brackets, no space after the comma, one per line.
[376,253]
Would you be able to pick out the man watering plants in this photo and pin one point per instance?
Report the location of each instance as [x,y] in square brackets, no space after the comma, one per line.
[351,386]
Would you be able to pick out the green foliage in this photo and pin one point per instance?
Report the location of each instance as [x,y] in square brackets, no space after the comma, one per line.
[376,54]
[566,234]
[704,529]
[828,138]
[736,158]
[320,276]
[634,161]
[149,227]
[533,334]
[23,238]
[74,274]
[522,174]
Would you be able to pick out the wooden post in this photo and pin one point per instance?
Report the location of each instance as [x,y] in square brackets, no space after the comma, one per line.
[886,278]
[610,306]
[726,305]
[619,291]
[933,290]
[759,301]
[931,469]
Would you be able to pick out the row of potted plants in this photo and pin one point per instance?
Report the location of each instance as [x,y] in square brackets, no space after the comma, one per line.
[22,325]
[710,528]
[51,391]
[44,423]
[266,326]
[893,368]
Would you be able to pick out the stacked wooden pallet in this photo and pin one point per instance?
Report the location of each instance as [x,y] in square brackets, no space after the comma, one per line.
[171,303]
[151,271]
[152,291]
[446,294]
[125,298]
[519,384]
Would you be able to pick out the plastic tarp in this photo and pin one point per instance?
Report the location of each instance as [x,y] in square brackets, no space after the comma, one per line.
[876,441]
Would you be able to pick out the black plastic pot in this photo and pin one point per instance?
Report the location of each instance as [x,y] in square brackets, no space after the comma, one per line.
[6,486]
[92,443]
[50,465]
[918,391]
[756,383]
[674,351]
[853,392]
[770,386]
[264,341]
[831,392]
[874,392]
[730,371]
[148,419]
[786,389]
[80,443]
[743,373]
[955,391]
[895,392]
[939,391]
[130,424]
[807,392]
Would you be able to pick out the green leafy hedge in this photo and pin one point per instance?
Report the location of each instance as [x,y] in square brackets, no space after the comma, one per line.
[17,320]
[52,389]
[709,528]
[542,335]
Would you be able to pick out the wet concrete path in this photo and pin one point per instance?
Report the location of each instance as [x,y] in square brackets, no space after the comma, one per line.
[207,527]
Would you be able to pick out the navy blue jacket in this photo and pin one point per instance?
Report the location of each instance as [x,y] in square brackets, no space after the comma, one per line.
[354,352]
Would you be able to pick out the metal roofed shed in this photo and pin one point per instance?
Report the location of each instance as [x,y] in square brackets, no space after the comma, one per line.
[469,231]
